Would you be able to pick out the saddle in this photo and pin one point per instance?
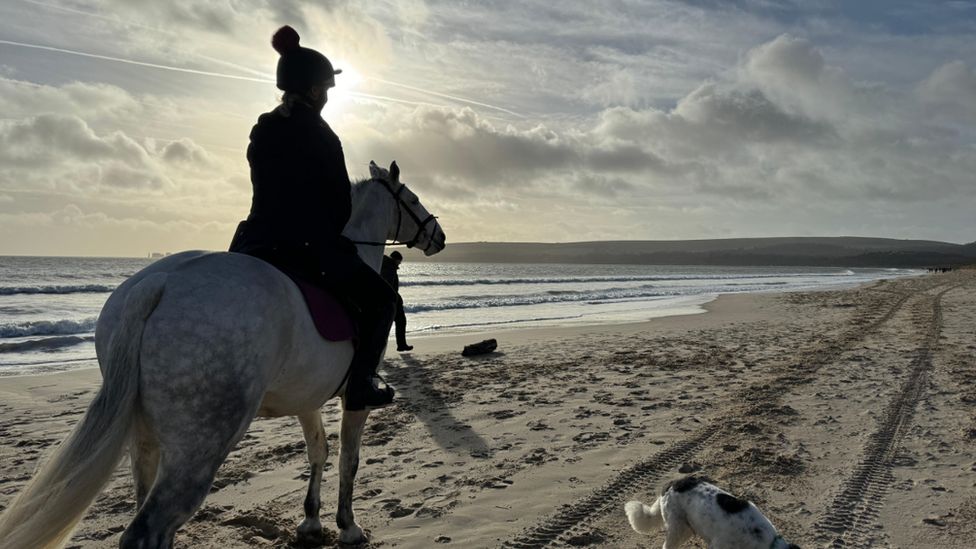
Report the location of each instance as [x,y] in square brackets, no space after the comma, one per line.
[331,319]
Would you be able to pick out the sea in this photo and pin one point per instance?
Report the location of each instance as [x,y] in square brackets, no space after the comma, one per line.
[49,305]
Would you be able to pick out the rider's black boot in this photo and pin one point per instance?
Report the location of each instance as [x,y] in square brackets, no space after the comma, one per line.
[367,393]
[366,390]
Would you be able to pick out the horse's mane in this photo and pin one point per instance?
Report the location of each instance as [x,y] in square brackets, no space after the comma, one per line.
[357,186]
[358,197]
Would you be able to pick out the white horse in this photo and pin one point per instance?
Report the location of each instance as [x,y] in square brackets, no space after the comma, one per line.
[192,348]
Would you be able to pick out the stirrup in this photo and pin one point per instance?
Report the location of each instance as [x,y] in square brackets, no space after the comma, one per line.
[370,397]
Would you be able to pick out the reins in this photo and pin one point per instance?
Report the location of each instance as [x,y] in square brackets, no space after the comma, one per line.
[421,225]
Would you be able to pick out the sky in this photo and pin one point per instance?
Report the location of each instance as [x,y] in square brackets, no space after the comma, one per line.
[123,123]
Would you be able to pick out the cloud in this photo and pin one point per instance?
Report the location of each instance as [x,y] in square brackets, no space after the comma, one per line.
[83,230]
[786,60]
[793,73]
[782,127]
[86,100]
[462,148]
[237,33]
[185,152]
[746,115]
[105,108]
[951,89]
[462,144]
[229,16]
[48,139]
[652,148]
[642,120]
[61,151]
[70,154]
[212,15]
[619,88]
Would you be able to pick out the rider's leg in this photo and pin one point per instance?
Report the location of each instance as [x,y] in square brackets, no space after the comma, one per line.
[374,300]
[377,307]
[401,327]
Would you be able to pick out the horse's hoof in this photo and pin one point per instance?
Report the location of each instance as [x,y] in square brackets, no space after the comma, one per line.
[354,535]
[310,534]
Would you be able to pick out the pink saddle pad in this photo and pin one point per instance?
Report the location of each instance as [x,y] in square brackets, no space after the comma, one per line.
[330,317]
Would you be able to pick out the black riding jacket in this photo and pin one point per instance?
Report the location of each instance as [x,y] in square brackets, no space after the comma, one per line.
[301,187]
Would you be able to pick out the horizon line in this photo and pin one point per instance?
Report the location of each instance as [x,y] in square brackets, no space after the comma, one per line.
[535,242]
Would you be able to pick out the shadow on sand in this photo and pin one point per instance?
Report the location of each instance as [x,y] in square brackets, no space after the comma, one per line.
[433,407]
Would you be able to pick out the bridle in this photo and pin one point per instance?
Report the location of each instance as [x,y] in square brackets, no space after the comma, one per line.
[401,206]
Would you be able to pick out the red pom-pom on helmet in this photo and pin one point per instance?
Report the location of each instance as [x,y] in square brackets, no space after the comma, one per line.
[285,39]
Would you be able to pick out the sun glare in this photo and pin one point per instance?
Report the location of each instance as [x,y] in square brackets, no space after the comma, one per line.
[346,84]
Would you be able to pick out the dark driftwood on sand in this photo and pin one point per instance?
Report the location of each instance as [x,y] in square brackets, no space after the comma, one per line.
[481,348]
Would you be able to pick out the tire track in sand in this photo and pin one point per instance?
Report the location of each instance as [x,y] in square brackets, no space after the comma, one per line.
[602,500]
[847,521]
[567,525]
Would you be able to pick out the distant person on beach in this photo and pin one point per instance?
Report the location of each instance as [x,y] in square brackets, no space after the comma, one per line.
[301,204]
[391,264]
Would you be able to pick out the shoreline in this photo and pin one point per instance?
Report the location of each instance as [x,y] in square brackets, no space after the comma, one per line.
[786,391]
[30,355]
[517,336]
[437,343]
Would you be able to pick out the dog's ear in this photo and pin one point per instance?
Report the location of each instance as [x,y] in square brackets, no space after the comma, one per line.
[792,546]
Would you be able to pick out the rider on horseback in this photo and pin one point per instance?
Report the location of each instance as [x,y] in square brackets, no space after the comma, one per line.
[301,204]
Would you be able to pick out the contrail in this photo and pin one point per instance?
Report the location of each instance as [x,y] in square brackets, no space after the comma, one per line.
[243,68]
[88,13]
[139,63]
[381,98]
[445,96]
[265,80]
[130,23]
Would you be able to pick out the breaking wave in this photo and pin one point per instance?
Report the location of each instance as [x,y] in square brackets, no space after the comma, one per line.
[47,327]
[47,344]
[57,290]
[589,296]
[613,279]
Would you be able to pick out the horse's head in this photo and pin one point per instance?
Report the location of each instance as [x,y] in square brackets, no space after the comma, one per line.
[412,224]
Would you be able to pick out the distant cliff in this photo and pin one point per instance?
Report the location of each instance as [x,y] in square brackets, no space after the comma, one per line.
[794,251]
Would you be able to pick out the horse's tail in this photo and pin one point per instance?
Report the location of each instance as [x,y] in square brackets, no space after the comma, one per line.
[46,511]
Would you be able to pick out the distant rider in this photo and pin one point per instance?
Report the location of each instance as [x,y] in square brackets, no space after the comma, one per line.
[301,204]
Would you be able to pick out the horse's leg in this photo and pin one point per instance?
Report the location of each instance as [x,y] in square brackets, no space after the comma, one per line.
[318,453]
[181,486]
[350,439]
[144,454]
[195,434]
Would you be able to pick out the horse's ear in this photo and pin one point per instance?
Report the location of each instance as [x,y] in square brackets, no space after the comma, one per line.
[394,172]
[375,171]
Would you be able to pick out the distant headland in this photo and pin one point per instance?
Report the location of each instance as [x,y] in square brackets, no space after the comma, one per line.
[843,251]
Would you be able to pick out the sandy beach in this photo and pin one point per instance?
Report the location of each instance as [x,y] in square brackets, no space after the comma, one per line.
[846,416]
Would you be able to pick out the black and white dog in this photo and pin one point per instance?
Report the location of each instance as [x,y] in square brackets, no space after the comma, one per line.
[693,506]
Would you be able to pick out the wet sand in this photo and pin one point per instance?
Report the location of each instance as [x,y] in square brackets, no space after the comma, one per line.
[847,416]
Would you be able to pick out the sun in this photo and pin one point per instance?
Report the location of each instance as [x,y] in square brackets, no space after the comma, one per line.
[340,97]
